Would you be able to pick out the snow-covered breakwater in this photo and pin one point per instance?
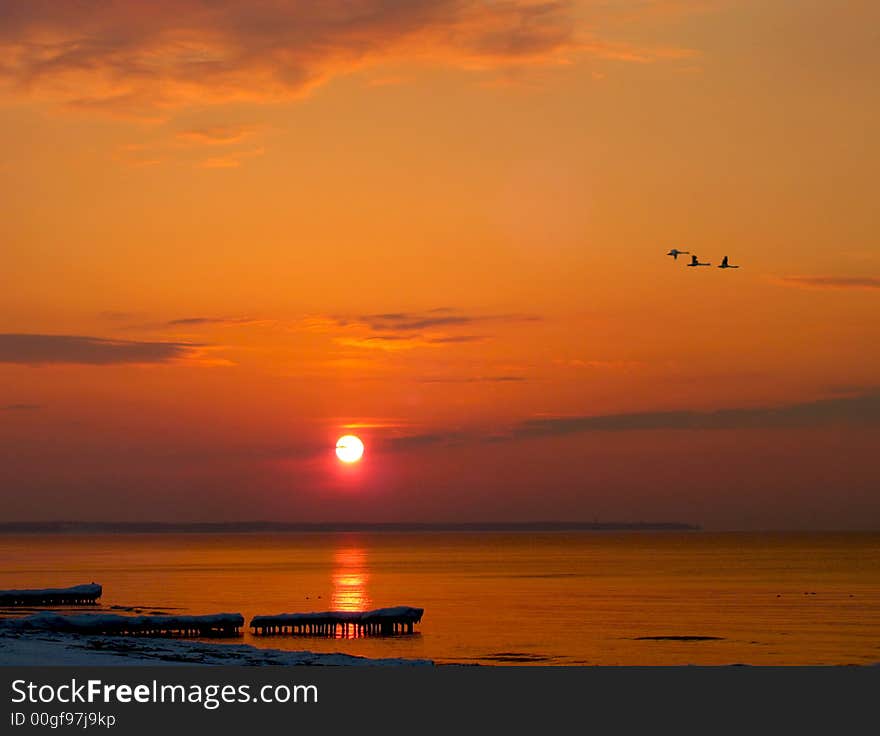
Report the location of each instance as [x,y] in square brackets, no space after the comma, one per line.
[212,625]
[75,595]
[394,620]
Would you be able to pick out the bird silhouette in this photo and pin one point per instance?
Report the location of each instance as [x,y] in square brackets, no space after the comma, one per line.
[695,262]
[725,264]
[675,253]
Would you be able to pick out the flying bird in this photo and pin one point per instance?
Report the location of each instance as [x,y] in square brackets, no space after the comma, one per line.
[725,264]
[695,262]
[675,253]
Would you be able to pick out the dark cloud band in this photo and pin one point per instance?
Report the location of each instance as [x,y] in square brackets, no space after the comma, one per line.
[853,411]
[37,349]
[848,410]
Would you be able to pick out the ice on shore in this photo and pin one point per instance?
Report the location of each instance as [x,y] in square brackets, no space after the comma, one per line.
[31,647]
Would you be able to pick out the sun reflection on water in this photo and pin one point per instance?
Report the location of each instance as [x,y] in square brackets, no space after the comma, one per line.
[350,578]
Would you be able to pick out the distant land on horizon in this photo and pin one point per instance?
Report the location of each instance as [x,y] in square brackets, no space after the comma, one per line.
[135,527]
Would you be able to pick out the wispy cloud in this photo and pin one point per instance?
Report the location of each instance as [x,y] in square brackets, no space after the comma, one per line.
[414,441]
[455,339]
[208,321]
[39,349]
[848,410]
[217,135]
[375,423]
[395,331]
[830,282]
[620,365]
[406,342]
[189,149]
[144,59]
[439,317]
[475,379]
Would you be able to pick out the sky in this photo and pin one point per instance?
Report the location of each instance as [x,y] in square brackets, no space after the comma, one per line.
[233,231]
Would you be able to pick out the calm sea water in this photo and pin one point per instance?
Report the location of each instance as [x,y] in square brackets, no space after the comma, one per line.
[554,598]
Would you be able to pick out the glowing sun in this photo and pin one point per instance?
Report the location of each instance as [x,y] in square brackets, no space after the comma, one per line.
[349,448]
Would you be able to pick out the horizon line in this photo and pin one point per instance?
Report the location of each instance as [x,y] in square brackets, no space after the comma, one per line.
[62,527]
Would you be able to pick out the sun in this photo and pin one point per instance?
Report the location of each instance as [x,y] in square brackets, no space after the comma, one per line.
[349,448]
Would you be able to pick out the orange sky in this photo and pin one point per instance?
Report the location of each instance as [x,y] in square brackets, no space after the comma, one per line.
[231,231]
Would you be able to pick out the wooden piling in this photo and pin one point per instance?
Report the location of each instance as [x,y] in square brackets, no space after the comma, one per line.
[382,622]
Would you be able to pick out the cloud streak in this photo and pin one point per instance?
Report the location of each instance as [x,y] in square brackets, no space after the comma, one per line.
[208,321]
[831,282]
[441,317]
[218,135]
[407,330]
[143,58]
[476,379]
[38,349]
[850,411]
[601,364]
[863,409]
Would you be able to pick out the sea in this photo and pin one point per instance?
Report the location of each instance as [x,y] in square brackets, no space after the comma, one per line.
[495,597]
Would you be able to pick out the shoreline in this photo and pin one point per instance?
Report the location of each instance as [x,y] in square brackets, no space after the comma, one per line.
[41,648]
